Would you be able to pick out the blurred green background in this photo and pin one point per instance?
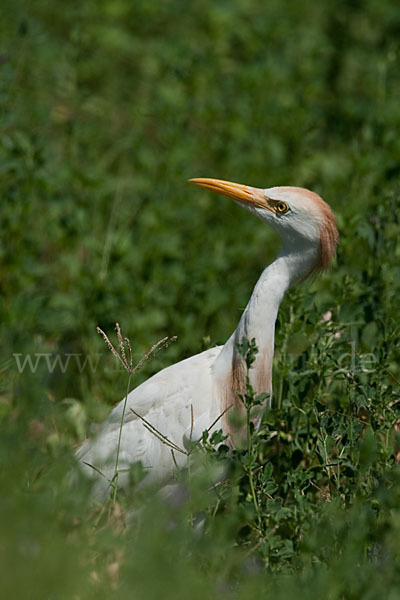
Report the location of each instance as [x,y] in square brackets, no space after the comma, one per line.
[107,108]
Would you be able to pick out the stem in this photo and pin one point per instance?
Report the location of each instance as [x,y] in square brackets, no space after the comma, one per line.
[288,329]
[250,457]
[115,476]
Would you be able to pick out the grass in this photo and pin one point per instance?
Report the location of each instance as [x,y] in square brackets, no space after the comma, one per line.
[106,109]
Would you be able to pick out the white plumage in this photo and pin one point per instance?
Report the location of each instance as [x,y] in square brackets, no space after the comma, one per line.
[209,383]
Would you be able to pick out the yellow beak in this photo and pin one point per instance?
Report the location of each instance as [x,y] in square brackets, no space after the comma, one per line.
[244,194]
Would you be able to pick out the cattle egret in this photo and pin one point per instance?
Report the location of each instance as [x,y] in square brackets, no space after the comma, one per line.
[183,400]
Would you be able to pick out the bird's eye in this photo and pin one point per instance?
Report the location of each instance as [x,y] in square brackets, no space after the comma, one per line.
[282,207]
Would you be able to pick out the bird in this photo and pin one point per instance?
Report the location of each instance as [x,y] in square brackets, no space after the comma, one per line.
[198,393]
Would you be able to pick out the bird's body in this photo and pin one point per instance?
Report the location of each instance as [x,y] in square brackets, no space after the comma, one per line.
[186,398]
[165,401]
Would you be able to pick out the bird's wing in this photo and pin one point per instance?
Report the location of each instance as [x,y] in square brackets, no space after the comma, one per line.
[166,402]
[173,389]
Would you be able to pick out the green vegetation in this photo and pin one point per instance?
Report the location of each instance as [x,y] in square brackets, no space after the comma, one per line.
[107,107]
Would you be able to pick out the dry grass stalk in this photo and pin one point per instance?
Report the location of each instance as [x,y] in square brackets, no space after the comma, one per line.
[125,355]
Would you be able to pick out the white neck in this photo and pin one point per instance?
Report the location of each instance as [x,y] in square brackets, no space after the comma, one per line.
[259,317]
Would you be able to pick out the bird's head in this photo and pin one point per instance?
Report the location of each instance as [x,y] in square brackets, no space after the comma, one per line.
[300,216]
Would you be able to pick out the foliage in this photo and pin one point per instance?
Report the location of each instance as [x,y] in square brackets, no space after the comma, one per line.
[107,106]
